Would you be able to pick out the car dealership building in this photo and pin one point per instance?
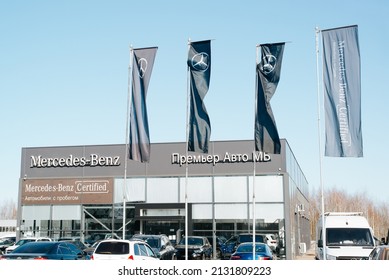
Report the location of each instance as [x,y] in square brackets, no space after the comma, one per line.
[81,191]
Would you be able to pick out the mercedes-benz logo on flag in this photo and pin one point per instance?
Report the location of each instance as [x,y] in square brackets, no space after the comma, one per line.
[268,63]
[142,66]
[200,62]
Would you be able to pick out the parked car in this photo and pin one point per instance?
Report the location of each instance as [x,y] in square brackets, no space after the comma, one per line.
[272,241]
[117,249]
[245,252]
[4,244]
[45,250]
[199,248]
[80,245]
[160,244]
[10,237]
[89,250]
[221,247]
[23,241]
[248,237]
[230,246]
[380,252]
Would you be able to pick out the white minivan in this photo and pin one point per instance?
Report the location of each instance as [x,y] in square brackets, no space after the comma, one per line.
[348,236]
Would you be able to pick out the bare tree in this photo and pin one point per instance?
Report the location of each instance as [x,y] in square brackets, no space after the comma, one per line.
[336,200]
[8,210]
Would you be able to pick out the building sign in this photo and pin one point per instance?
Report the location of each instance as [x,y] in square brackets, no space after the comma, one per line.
[92,160]
[177,158]
[67,191]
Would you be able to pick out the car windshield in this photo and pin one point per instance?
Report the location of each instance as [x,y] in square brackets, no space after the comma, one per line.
[248,248]
[349,237]
[116,248]
[192,241]
[249,238]
[223,239]
[152,241]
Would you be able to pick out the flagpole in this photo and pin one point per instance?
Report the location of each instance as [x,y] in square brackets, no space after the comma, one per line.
[186,153]
[254,218]
[126,143]
[254,165]
[317,32]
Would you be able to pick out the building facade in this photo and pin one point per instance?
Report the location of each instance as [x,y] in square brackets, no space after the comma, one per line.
[82,191]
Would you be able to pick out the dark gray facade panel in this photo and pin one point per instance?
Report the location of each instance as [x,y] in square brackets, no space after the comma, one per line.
[70,153]
[233,158]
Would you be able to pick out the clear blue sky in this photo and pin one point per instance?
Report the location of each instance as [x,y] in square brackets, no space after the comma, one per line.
[64,68]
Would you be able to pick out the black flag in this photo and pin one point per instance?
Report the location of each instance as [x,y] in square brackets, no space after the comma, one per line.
[199,64]
[268,74]
[139,138]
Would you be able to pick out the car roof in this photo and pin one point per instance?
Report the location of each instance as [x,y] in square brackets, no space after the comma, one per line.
[121,241]
[35,238]
[46,245]
[42,244]
[148,235]
[28,238]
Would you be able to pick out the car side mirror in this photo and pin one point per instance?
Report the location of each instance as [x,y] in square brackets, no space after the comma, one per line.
[320,243]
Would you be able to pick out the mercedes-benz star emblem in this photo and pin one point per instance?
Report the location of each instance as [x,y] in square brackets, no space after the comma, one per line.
[268,63]
[142,65]
[200,61]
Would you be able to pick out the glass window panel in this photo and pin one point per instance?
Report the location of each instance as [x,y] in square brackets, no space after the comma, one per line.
[230,211]
[66,212]
[243,226]
[231,189]
[162,190]
[135,190]
[41,212]
[202,225]
[225,226]
[199,189]
[268,213]
[267,189]
[201,211]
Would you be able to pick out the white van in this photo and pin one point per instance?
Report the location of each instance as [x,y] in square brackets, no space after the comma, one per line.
[348,237]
